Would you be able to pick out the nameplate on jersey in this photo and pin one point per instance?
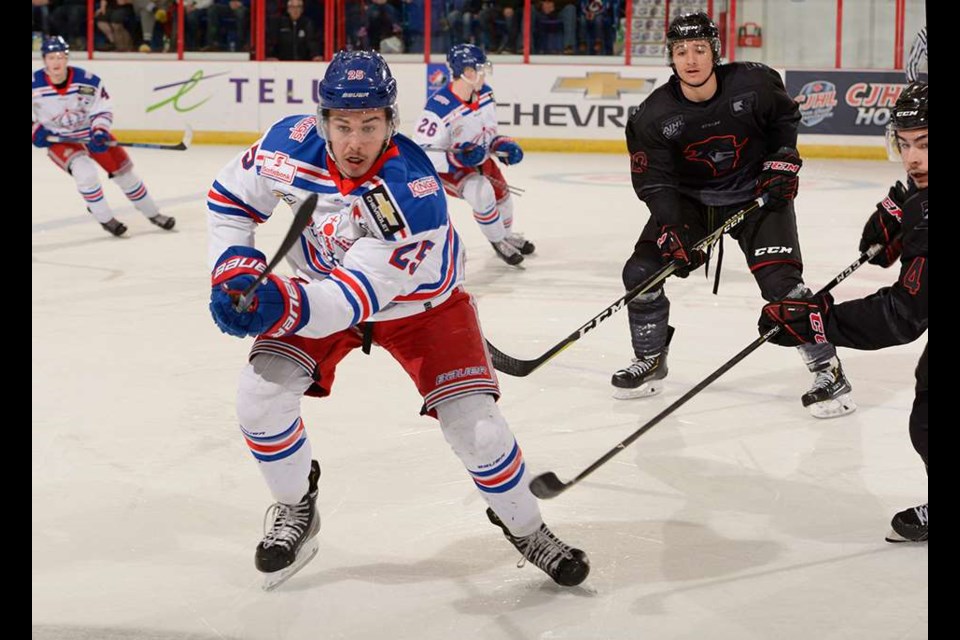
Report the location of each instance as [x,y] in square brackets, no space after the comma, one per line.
[384,210]
[278,166]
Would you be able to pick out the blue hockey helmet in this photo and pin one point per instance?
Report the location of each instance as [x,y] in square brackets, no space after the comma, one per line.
[464,56]
[358,80]
[54,44]
[693,26]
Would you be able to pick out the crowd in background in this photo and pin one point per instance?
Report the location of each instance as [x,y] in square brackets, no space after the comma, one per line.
[295,28]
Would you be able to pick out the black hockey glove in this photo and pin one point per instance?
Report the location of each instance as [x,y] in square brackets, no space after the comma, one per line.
[883,224]
[674,240]
[802,321]
[779,178]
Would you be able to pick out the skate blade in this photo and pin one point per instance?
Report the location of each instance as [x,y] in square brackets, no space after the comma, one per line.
[896,538]
[833,408]
[643,391]
[273,580]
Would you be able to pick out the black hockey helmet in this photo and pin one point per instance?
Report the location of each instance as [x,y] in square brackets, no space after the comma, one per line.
[910,111]
[693,26]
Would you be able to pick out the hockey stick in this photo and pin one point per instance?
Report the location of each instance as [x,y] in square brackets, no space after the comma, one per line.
[548,485]
[516,367]
[180,146]
[300,221]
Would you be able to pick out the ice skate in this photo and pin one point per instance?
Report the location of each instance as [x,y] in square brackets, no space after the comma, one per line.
[909,525]
[114,226]
[567,566]
[507,252]
[521,244]
[162,221]
[291,541]
[641,378]
[830,397]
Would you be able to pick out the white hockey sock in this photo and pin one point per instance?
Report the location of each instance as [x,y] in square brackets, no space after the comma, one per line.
[268,407]
[506,212]
[478,192]
[136,191]
[479,435]
[84,172]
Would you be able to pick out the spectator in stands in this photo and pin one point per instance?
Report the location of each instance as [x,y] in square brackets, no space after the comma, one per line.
[383,22]
[69,19]
[41,17]
[597,26]
[501,20]
[292,36]
[555,17]
[148,11]
[113,18]
[463,16]
[193,10]
[237,38]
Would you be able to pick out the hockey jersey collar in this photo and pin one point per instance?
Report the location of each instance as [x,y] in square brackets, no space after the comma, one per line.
[62,90]
[346,184]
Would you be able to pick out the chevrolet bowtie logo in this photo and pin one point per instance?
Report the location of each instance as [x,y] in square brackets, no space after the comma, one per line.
[601,85]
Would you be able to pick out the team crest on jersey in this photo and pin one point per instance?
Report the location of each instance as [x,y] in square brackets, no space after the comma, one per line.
[423,187]
[300,130]
[638,162]
[722,153]
[744,103]
[672,127]
[86,90]
[278,166]
[384,209]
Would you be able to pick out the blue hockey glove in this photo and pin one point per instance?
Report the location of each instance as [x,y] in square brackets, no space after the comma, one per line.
[40,137]
[279,307]
[507,150]
[466,154]
[236,261]
[99,141]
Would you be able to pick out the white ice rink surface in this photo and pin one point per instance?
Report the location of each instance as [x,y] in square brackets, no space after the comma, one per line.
[737,517]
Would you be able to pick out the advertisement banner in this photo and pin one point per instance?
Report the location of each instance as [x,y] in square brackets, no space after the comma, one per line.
[845,102]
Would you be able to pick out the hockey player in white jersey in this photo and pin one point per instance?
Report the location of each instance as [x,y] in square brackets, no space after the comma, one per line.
[379,264]
[70,103]
[458,129]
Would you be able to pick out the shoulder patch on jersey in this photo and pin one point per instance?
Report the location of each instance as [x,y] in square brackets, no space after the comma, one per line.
[423,187]
[277,165]
[303,126]
[86,90]
[743,103]
[672,127]
[385,211]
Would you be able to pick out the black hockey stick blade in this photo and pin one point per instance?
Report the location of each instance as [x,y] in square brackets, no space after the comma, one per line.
[548,485]
[183,145]
[300,221]
[519,368]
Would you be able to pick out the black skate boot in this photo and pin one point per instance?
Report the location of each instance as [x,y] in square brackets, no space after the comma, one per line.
[291,541]
[162,221]
[641,378]
[522,245]
[829,397]
[567,566]
[507,252]
[909,525]
[114,226]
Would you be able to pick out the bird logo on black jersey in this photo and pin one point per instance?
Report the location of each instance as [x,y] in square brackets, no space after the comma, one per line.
[722,153]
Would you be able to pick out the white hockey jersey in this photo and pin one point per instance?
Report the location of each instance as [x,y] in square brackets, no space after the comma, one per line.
[448,121]
[379,247]
[70,112]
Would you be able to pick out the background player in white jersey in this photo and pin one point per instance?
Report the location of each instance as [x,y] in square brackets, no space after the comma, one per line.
[69,102]
[380,264]
[458,129]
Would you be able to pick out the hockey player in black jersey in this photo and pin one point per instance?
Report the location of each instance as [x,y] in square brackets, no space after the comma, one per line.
[893,315]
[702,146]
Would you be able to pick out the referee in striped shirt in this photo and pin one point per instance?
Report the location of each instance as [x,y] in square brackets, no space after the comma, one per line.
[918,53]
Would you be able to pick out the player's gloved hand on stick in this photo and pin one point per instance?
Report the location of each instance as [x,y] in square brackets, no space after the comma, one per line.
[236,261]
[779,179]
[883,224]
[803,321]
[40,137]
[507,150]
[99,140]
[675,242]
[278,307]
[466,154]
